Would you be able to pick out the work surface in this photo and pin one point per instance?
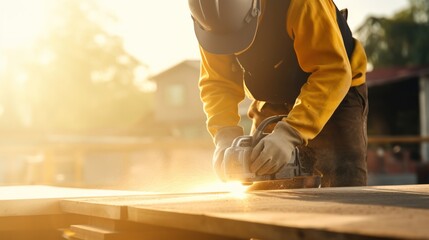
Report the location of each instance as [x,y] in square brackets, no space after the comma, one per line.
[43,200]
[33,212]
[383,212]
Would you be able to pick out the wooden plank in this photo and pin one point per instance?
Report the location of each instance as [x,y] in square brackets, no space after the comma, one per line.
[27,235]
[143,232]
[383,212]
[114,207]
[44,200]
[33,212]
[35,223]
[94,233]
[110,214]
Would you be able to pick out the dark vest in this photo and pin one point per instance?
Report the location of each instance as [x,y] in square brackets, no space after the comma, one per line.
[271,69]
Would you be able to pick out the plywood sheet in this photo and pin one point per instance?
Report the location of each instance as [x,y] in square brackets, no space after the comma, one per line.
[351,213]
[116,207]
[44,200]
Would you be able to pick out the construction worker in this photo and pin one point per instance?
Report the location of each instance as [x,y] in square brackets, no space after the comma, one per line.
[295,57]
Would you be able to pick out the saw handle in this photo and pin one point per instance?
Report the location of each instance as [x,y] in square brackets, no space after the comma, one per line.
[259,133]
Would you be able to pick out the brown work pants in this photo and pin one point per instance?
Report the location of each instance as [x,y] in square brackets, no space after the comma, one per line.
[338,152]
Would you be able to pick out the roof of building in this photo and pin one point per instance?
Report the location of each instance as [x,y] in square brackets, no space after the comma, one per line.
[376,77]
[382,76]
[186,63]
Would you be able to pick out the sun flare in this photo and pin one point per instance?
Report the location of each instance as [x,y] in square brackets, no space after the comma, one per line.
[22,22]
[236,189]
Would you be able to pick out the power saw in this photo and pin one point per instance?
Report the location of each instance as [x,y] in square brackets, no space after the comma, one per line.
[237,161]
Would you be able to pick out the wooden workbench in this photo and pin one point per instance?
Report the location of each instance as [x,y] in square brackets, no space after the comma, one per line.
[384,212]
[33,212]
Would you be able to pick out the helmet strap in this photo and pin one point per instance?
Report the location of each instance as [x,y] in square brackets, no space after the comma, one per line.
[254,12]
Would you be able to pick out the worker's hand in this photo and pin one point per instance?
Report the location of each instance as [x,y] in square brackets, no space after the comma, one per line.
[275,150]
[223,140]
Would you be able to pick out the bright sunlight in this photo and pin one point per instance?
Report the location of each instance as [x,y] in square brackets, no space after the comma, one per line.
[236,189]
[22,22]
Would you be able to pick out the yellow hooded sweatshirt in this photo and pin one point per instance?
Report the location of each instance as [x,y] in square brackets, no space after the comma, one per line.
[319,47]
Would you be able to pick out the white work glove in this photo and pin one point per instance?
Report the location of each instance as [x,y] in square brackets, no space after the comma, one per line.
[223,140]
[275,149]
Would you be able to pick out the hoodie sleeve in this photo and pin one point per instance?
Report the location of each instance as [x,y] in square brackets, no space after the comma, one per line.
[221,90]
[318,43]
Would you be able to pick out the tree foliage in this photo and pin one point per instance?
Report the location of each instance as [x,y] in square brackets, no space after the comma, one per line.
[398,40]
[76,78]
